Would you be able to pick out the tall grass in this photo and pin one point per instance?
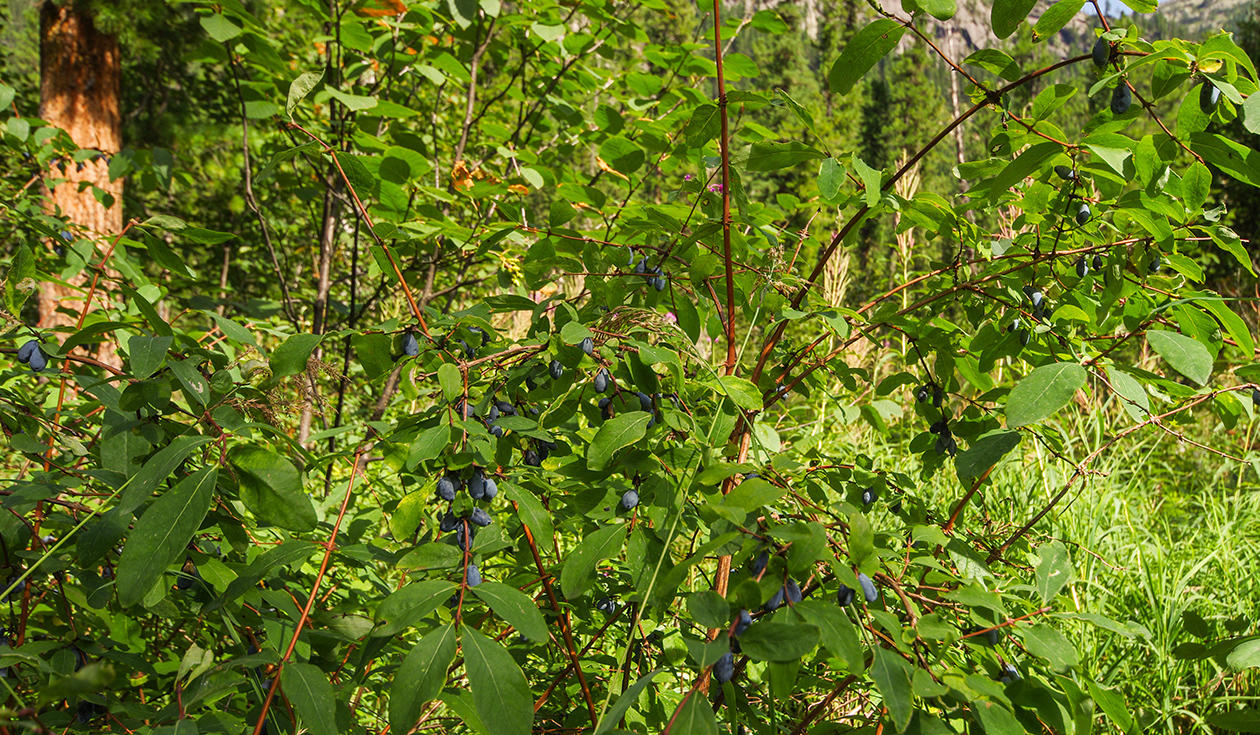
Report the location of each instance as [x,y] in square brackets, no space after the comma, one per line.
[1166,540]
[1165,537]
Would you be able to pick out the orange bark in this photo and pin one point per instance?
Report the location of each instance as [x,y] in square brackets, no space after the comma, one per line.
[80,87]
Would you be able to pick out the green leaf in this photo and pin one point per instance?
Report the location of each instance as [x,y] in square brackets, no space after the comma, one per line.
[532,514]
[200,235]
[196,387]
[830,178]
[1196,184]
[271,487]
[709,609]
[301,87]
[1245,655]
[219,28]
[500,693]
[375,353]
[1185,354]
[862,52]
[1233,324]
[514,607]
[91,678]
[355,102]
[838,634]
[548,32]
[1132,395]
[1008,14]
[451,380]
[1024,165]
[739,390]
[407,606]
[752,494]
[361,180]
[695,717]
[574,332]
[1233,158]
[1112,704]
[1054,570]
[767,640]
[162,534]
[1044,391]
[774,156]
[998,62]
[870,178]
[1055,17]
[290,358]
[19,282]
[420,678]
[861,538]
[620,431]
[231,329]
[985,452]
[942,9]
[1045,642]
[1222,46]
[579,565]
[622,154]
[1227,240]
[624,702]
[705,125]
[308,690]
[428,445]
[561,213]
[1251,114]
[146,354]
[433,555]
[1247,720]
[801,113]
[181,727]
[996,719]
[156,469]
[892,677]
[290,552]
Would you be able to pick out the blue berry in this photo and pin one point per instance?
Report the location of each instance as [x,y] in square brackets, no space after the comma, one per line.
[868,588]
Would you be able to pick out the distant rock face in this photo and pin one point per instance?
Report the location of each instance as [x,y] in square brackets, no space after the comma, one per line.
[972,31]
[1202,18]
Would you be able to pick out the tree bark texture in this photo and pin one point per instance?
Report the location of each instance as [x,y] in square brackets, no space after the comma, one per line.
[80,87]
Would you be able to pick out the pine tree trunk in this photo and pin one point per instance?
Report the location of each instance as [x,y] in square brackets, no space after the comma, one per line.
[80,87]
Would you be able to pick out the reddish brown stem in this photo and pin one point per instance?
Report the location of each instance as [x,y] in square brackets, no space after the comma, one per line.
[958,509]
[310,600]
[724,145]
[565,627]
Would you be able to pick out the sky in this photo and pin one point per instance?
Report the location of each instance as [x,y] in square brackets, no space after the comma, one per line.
[1113,8]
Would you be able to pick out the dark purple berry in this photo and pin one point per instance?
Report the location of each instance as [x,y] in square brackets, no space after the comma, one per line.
[793,591]
[776,601]
[868,588]
[724,669]
[447,487]
[410,347]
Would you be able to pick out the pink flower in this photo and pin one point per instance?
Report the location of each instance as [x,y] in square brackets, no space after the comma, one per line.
[669,317]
